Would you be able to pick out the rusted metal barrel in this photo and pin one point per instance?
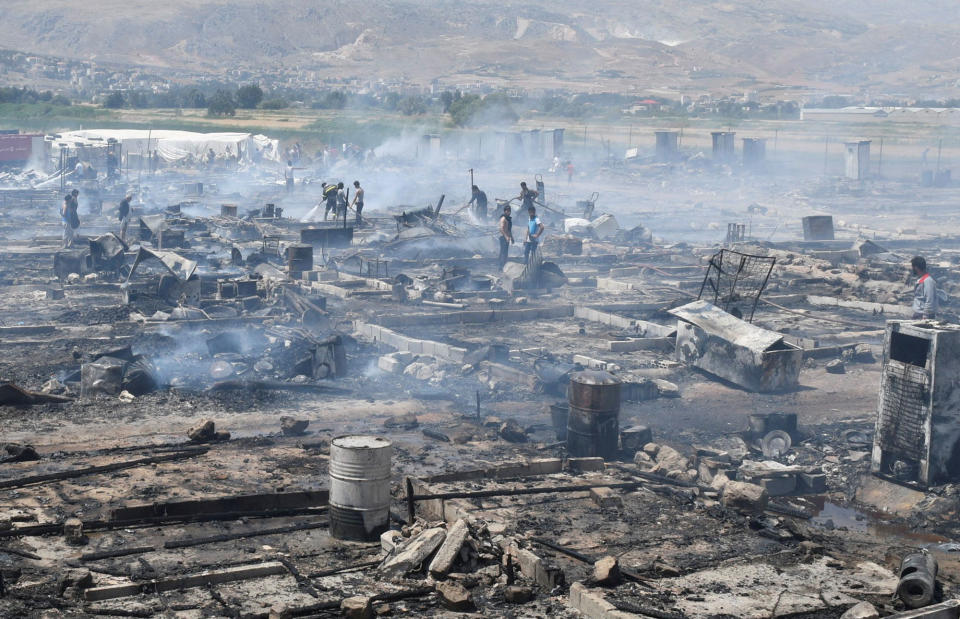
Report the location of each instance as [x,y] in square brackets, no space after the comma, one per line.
[593,425]
[918,580]
[299,258]
[359,487]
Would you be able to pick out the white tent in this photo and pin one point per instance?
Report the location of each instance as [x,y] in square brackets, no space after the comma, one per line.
[175,146]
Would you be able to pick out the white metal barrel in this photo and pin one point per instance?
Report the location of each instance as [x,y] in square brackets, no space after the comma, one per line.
[359,487]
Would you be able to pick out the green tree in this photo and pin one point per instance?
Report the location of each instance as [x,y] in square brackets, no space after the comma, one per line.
[472,110]
[249,97]
[391,101]
[221,104]
[274,104]
[115,100]
[447,98]
[412,106]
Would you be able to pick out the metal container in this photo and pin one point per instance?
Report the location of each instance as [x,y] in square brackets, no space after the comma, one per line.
[559,414]
[328,236]
[299,258]
[247,287]
[918,580]
[593,425]
[228,210]
[359,487]
[818,228]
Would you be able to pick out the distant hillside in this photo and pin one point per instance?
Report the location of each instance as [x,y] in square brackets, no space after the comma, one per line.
[879,46]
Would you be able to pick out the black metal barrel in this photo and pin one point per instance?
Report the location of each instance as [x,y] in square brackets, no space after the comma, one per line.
[593,425]
[300,258]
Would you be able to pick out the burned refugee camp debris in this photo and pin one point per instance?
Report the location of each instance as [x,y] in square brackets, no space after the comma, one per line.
[680,383]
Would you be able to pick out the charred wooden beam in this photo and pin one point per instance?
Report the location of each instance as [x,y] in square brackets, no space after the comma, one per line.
[94,470]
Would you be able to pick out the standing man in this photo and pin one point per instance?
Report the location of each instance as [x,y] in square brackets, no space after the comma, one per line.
[330,195]
[288,176]
[341,201]
[358,201]
[314,213]
[534,231]
[506,235]
[527,196]
[569,172]
[481,199]
[925,302]
[123,212]
[70,217]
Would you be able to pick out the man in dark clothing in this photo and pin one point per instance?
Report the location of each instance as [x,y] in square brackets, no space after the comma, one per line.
[506,235]
[330,195]
[358,201]
[527,196]
[481,200]
[341,201]
[70,217]
[123,212]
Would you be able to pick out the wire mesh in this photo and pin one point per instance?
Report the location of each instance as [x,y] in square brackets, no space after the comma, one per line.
[735,281]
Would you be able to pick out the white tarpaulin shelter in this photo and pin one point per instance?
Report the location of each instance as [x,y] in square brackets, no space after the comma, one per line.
[175,146]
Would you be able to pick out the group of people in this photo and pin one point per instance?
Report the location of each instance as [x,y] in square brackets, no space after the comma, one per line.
[336,200]
[70,217]
[534,230]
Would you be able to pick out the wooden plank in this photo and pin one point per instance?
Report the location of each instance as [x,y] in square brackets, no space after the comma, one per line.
[219,505]
[106,468]
[225,537]
[262,570]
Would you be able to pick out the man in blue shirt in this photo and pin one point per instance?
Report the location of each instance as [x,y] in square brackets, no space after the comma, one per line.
[534,231]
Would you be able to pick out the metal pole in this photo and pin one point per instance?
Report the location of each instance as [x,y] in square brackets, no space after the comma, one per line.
[826,141]
[880,162]
[939,150]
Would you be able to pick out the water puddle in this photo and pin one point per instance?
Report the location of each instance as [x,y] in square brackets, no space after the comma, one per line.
[830,515]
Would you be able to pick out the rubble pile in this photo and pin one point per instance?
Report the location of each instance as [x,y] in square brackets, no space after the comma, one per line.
[238,409]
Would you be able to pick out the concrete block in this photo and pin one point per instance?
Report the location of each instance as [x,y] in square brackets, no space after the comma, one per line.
[458,509]
[606,572]
[665,388]
[391,365]
[744,497]
[443,562]
[633,439]
[455,597]
[863,610]
[549,576]
[73,532]
[811,483]
[606,498]
[585,465]
[390,540]
[546,466]
[526,560]
[413,554]
[357,607]
[589,602]
[779,486]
